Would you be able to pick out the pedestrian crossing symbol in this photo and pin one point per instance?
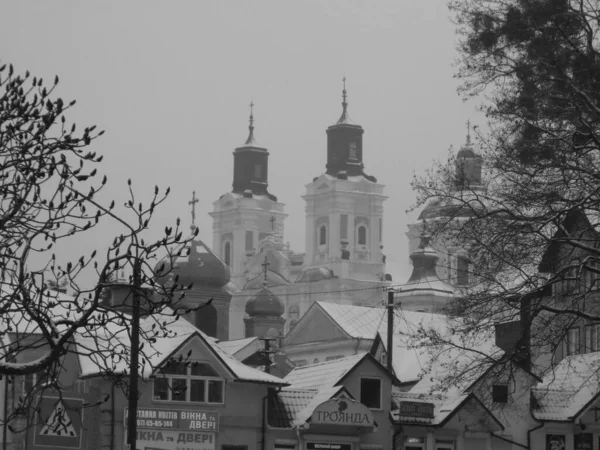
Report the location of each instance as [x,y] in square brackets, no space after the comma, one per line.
[59,423]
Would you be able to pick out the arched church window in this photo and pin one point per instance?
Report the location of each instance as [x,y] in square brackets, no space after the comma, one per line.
[227,253]
[362,235]
[323,235]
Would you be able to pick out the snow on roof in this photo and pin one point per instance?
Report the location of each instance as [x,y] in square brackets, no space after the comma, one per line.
[566,391]
[237,345]
[357,321]
[324,374]
[444,407]
[93,348]
[458,360]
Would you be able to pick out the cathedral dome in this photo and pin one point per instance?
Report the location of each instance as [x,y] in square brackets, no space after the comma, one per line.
[438,208]
[265,304]
[201,267]
[467,152]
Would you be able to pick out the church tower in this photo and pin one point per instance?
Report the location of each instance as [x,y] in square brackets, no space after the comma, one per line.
[344,208]
[247,214]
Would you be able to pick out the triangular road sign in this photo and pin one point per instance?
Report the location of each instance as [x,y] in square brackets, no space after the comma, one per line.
[59,423]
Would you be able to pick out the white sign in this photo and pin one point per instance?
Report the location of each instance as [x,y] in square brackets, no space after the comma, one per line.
[153,439]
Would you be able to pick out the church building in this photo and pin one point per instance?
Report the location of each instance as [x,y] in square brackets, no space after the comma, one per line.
[343,260]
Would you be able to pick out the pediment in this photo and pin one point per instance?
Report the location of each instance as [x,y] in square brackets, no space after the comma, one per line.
[314,326]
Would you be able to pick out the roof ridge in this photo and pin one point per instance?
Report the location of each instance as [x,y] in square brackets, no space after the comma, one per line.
[333,361]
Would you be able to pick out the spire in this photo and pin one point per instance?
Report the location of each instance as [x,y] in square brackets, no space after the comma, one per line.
[251,140]
[344,118]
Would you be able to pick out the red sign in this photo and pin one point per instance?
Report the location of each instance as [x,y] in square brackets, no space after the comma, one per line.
[59,423]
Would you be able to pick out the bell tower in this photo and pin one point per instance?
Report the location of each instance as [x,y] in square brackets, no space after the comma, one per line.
[344,208]
[247,214]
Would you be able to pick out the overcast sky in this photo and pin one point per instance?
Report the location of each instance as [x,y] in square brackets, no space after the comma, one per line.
[170,82]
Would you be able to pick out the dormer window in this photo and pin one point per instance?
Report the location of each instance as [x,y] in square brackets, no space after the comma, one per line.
[353,152]
[500,393]
[195,382]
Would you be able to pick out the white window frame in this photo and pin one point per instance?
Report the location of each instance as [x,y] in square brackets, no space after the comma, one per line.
[161,376]
[380,391]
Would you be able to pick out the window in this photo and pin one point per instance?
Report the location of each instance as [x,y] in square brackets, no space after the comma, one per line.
[257,171]
[572,345]
[462,270]
[195,382]
[323,235]
[570,280]
[30,381]
[227,253]
[353,154]
[362,235]
[592,336]
[343,226]
[370,392]
[442,444]
[414,443]
[249,240]
[500,393]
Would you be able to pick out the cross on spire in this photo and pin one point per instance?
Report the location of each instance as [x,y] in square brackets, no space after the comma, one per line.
[193,202]
[250,139]
[272,220]
[468,131]
[265,265]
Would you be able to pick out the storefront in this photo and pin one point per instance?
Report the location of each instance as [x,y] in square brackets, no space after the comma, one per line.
[172,429]
[434,423]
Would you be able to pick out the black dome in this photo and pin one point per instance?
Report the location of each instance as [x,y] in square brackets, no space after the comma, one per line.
[265,304]
[201,267]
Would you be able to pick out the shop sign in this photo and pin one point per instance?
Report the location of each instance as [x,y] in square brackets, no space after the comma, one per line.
[327,446]
[173,419]
[174,440]
[584,441]
[342,411]
[555,442]
[417,409]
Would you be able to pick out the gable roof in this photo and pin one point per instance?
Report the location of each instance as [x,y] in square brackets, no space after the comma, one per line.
[567,391]
[356,321]
[241,349]
[94,349]
[330,373]
[324,374]
[444,409]
[291,406]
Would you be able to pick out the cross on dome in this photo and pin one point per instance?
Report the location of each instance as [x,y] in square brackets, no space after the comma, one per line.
[265,265]
[251,139]
[193,202]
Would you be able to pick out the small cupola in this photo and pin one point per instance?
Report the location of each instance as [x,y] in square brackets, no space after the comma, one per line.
[345,145]
[251,166]
[468,164]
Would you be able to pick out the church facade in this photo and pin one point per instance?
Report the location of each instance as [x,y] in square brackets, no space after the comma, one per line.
[343,260]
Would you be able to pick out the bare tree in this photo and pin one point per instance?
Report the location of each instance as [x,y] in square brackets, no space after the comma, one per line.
[530,227]
[49,193]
